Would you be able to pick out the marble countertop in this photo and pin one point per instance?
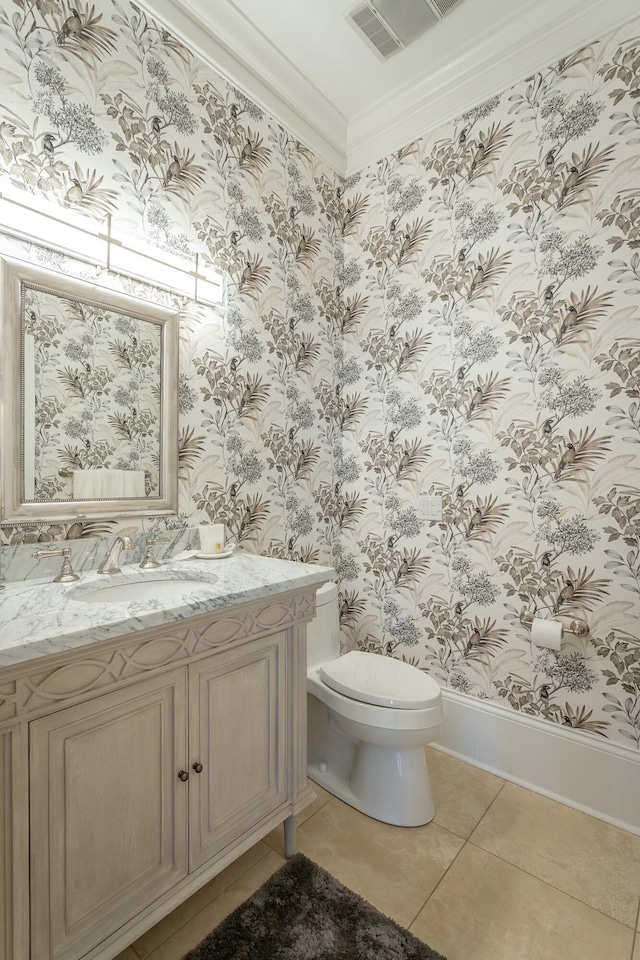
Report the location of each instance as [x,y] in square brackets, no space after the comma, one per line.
[39,618]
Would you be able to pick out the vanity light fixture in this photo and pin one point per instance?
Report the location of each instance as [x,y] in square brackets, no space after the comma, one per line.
[189,276]
[143,261]
[209,284]
[88,239]
[33,219]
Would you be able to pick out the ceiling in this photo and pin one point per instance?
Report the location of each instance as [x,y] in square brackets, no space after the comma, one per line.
[307,67]
[316,38]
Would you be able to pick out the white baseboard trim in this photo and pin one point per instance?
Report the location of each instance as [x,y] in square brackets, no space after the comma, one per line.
[596,777]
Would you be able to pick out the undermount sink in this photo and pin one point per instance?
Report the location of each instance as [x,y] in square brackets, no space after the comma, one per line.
[167,589]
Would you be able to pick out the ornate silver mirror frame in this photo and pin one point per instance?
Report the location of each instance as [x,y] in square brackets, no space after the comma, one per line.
[18,280]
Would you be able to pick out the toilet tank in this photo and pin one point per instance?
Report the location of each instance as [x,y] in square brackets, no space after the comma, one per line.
[323,633]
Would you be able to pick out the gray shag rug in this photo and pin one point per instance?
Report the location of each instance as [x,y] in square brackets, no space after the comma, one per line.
[303,913]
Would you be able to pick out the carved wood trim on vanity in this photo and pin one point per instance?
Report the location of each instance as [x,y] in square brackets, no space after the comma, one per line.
[14,841]
[102,688]
[36,686]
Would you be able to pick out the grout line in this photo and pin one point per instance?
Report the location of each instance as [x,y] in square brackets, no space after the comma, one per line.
[315,812]
[552,886]
[465,842]
[207,904]
[299,826]
[505,782]
[636,936]
[409,925]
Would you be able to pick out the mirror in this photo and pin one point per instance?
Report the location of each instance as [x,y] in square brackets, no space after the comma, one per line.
[89,397]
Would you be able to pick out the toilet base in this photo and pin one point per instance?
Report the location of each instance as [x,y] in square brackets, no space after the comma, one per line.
[388,785]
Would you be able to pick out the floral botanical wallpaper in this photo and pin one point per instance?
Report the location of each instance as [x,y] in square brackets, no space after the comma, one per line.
[492,356]
[96,381]
[104,111]
[459,319]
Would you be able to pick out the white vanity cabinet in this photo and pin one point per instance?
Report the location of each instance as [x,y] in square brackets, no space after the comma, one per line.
[153,761]
[108,813]
[14,842]
[237,735]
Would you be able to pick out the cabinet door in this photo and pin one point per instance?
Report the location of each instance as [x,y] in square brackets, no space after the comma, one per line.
[108,813]
[14,845]
[237,711]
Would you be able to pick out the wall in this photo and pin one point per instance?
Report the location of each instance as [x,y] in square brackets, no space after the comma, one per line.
[475,338]
[106,112]
[491,356]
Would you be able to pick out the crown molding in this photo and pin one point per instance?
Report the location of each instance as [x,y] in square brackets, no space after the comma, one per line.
[225,40]
[503,55]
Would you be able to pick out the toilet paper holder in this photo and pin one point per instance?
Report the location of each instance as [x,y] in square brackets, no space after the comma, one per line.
[579,628]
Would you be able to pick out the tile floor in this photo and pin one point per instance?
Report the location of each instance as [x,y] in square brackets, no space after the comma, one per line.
[500,874]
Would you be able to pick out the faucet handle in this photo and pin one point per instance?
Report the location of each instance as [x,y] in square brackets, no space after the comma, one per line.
[150,562]
[66,574]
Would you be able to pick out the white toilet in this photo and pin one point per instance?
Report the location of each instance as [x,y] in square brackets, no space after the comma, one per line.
[369,718]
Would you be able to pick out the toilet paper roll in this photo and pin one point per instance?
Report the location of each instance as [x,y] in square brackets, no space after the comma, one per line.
[546,633]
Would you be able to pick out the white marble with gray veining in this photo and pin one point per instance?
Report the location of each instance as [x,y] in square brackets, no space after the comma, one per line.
[39,618]
[17,561]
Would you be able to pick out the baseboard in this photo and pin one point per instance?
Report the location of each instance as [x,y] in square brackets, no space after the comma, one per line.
[597,777]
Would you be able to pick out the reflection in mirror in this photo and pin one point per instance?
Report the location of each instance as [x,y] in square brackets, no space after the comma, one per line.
[91,400]
[89,396]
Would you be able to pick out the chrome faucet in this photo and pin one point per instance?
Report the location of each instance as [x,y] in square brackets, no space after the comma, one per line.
[150,562]
[110,563]
[66,574]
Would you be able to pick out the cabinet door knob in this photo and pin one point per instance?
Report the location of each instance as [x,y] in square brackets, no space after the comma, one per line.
[183,775]
[198,767]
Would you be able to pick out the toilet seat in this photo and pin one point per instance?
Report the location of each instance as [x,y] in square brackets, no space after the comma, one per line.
[379,680]
[372,714]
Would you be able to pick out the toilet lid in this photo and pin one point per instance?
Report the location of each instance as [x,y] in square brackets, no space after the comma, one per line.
[372,678]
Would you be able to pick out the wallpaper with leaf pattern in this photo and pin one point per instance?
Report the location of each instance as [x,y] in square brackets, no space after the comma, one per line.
[459,319]
[105,112]
[493,358]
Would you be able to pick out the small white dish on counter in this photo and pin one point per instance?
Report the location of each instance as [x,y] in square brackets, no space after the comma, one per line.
[227,552]
[201,555]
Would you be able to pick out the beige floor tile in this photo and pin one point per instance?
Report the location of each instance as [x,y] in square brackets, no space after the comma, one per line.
[394,868]
[462,793]
[587,858]
[636,952]
[486,909]
[322,796]
[128,954]
[275,839]
[190,935]
[177,919]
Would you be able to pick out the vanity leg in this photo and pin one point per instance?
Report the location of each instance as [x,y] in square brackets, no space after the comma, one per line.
[290,836]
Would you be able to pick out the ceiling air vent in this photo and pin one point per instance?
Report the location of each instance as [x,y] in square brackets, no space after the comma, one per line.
[443,7]
[375,31]
[390,25]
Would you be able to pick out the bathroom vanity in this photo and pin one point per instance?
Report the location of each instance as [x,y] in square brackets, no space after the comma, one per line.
[145,744]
